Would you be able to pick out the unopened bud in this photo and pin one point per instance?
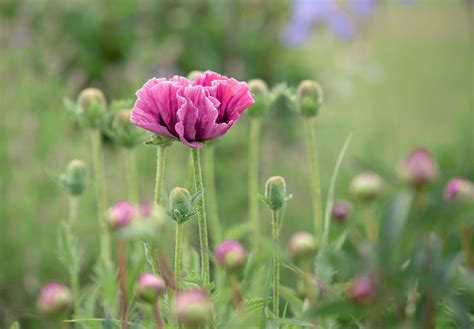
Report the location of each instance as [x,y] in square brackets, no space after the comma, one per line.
[54,299]
[361,289]
[230,254]
[193,308]
[149,287]
[459,189]
[121,214]
[302,245]
[419,168]
[261,94]
[275,192]
[92,105]
[74,180]
[366,186]
[309,98]
[181,205]
[340,210]
[193,74]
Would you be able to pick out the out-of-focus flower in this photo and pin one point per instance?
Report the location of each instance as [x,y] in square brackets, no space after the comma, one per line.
[191,111]
[459,189]
[361,289]
[340,210]
[91,106]
[310,287]
[149,287]
[145,209]
[54,299]
[193,307]
[363,8]
[261,93]
[230,254]
[74,180]
[419,168]
[118,127]
[120,215]
[366,186]
[302,244]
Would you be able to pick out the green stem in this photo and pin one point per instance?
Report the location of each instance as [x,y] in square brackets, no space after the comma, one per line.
[276,264]
[101,194]
[73,270]
[315,180]
[160,171]
[370,224]
[254,136]
[131,173]
[467,246]
[122,273]
[202,221]
[156,315]
[210,179]
[177,254]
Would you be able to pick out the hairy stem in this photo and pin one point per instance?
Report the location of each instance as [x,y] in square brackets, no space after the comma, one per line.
[254,139]
[276,264]
[160,172]
[101,194]
[315,179]
[202,221]
[122,268]
[210,179]
[73,270]
[177,254]
[156,315]
[131,173]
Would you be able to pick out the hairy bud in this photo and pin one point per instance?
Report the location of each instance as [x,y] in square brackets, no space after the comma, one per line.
[309,98]
[275,192]
[149,287]
[91,106]
[54,299]
[230,254]
[261,94]
[366,186]
[74,180]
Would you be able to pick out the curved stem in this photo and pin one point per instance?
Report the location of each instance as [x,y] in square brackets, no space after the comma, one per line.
[177,254]
[276,264]
[254,139]
[315,180]
[202,221]
[101,193]
[122,268]
[210,179]
[160,172]
[129,155]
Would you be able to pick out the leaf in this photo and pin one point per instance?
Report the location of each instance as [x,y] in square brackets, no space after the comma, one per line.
[330,197]
[253,304]
[292,298]
[292,322]
[15,325]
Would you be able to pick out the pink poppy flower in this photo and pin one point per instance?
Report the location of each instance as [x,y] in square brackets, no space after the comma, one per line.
[191,111]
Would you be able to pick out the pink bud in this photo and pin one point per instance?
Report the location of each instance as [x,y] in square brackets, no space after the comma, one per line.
[361,289]
[54,299]
[419,168]
[121,214]
[302,244]
[459,189]
[149,287]
[231,254]
[340,210]
[193,307]
[366,186]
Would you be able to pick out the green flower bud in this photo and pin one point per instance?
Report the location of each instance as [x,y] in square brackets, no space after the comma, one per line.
[261,94]
[193,74]
[275,192]
[309,98]
[302,245]
[181,204]
[121,130]
[366,186]
[91,106]
[74,180]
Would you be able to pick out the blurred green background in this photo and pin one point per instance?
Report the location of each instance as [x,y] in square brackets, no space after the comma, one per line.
[404,80]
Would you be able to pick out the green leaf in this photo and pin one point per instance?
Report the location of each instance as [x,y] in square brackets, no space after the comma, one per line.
[15,325]
[292,298]
[292,322]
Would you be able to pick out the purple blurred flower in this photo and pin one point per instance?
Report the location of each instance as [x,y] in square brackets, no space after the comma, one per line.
[363,8]
[54,298]
[193,307]
[121,214]
[340,210]
[419,168]
[149,287]
[191,111]
[361,289]
[230,253]
[145,209]
[459,189]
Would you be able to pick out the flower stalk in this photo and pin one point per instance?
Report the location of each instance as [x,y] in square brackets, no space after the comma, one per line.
[254,136]
[210,179]
[157,315]
[160,172]
[122,273]
[177,254]
[202,220]
[275,264]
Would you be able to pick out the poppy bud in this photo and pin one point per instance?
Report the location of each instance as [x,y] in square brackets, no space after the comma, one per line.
[74,180]
[361,289]
[54,299]
[302,245]
[149,287]
[181,204]
[91,105]
[419,168]
[193,74]
[366,186]
[259,89]
[230,254]
[193,308]
[121,214]
[275,192]
[309,98]
[459,189]
[340,210]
